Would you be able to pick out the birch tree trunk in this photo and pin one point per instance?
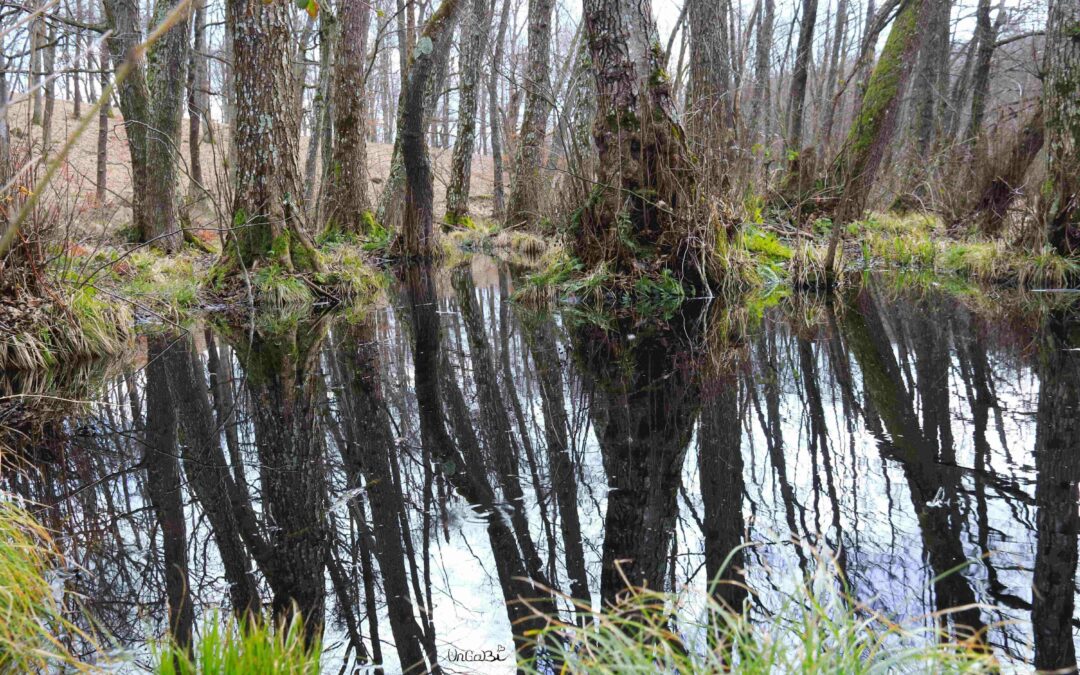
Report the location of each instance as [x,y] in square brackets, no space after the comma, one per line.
[347,196]
[1061,94]
[523,205]
[475,37]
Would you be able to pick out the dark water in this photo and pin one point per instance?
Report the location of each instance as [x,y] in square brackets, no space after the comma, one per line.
[404,476]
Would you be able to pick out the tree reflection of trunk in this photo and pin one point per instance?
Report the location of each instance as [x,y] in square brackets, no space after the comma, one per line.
[643,405]
[163,486]
[219,365]
[527,605]
[975,371]
[933,488]
[510,392]
[227,507]
[721,465]
[281,377]
[1057,463]
[819,442]
[369,440]
[495,422]
[774,438]
[541,338]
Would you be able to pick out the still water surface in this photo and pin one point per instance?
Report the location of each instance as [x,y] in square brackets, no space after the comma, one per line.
[404,476]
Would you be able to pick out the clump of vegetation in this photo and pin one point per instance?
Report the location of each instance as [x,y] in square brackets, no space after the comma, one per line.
[41,333]
[33,628]
[227,646]
[816,628]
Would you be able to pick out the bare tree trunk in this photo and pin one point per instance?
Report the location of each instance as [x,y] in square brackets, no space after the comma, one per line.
[761,107]
[391,202]
[102,174]
[475,37]
[267,212]
[196,110]
[37,45]
[77,62]
[320,111]
[1061,95]
[985,35]
[347,194]
[417,240]
[710,111]
[933,53]
[152,118]
[167,74]
[50,91]
[800,74]
[643,176]
[834,72]
[522,208]
[498,192]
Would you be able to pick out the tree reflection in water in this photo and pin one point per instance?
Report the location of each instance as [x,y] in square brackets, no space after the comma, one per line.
[433,477]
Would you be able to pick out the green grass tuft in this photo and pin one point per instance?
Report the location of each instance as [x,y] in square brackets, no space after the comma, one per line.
[225,647]
[31,614]
[815,628]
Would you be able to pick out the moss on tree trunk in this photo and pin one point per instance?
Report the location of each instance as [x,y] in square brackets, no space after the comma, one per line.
[1061,102]
[268,216]
[631,223]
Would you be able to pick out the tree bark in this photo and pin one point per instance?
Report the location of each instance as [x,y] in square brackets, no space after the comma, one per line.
[761,108]
[523,206]
[474,37]
[151,115]
[1061,95]
[643,175]
[197,109]
[347,198]
[986,35]
[800,74]
[268,217]
[709,96]
[167,80]
[102,174]
[872,130]
[417,240]
[498,190]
